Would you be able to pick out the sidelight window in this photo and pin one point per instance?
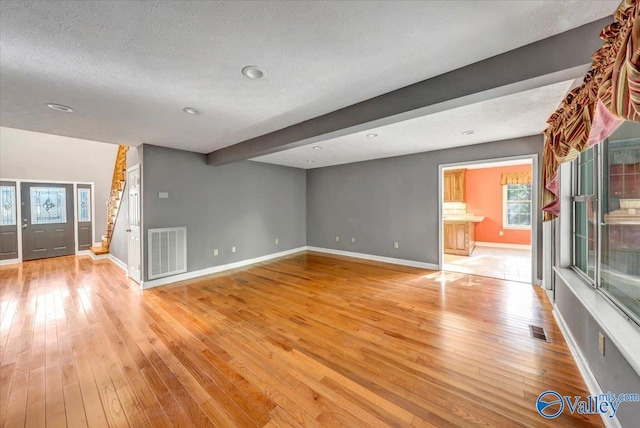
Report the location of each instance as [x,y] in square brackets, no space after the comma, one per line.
[84,204]
[8,201]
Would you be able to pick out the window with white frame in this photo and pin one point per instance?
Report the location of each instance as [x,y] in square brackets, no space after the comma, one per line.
[606,221]
[516,206]
[584,213]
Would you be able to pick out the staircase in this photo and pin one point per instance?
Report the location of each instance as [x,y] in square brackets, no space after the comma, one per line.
[117,187]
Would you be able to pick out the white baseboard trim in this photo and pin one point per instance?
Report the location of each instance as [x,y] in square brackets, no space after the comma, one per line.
[78,253]
[215,269]
[122,265]
[392,260]
[587,375]
[501,245]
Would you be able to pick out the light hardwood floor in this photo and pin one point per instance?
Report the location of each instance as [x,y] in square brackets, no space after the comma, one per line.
[494,262]
[307,340]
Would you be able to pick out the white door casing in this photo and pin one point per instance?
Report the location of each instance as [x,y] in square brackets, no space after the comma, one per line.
[133,263]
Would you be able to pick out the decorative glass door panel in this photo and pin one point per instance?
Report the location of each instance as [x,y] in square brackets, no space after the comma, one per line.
[48,205]
[47,220]
[84,204]
[85,225]
[8,205]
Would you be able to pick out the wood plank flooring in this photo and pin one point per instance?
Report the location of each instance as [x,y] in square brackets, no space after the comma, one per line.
[307,340]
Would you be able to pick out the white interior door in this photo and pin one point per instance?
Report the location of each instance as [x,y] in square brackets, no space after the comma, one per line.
[133,183]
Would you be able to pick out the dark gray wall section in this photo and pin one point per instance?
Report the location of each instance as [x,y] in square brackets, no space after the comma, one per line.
[612,371]
[246,204]
[552,55]
[383,201]
[625,131]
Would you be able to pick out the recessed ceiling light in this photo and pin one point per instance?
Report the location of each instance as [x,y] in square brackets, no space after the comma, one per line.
[60,107]
[317,148]
[192,110]
[253,72]
[468,132]
[372,135]
[309,161]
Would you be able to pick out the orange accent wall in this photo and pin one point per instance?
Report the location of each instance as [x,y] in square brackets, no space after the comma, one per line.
[484,197]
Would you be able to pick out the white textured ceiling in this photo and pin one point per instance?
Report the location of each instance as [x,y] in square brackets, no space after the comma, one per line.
[129,67]
[516,115]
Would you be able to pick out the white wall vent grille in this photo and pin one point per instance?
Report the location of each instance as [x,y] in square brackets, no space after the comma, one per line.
[167,251]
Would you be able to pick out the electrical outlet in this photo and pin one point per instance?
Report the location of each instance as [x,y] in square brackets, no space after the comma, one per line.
[215,252]
[396,245]
[337,239]
[601,343]
[501,233]
[277,241]
[233,249]
[353,239]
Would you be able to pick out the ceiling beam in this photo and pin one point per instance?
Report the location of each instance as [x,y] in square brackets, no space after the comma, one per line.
[559,58]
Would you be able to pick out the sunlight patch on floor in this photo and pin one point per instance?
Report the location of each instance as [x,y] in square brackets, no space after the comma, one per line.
[503,263]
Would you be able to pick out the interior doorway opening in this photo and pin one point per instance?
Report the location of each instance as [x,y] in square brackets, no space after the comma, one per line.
[488,216]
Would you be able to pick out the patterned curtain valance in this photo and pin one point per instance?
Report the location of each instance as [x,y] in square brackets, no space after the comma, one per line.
[608,95]
[515,178]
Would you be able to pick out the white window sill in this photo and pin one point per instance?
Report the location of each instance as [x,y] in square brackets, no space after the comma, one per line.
[516,227]
[622,331]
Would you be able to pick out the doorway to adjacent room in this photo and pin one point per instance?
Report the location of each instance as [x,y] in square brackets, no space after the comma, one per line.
[488,216]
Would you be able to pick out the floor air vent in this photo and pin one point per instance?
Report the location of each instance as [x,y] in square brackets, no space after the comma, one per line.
[538,333]
[167,251]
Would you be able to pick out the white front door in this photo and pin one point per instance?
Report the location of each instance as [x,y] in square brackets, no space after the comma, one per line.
[133,183]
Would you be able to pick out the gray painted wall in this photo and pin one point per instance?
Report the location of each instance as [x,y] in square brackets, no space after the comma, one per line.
[612,371]
[32,155]
[625,131]
[383,201]
[246,204]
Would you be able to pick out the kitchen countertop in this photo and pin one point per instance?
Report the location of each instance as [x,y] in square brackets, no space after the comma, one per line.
[468,217]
